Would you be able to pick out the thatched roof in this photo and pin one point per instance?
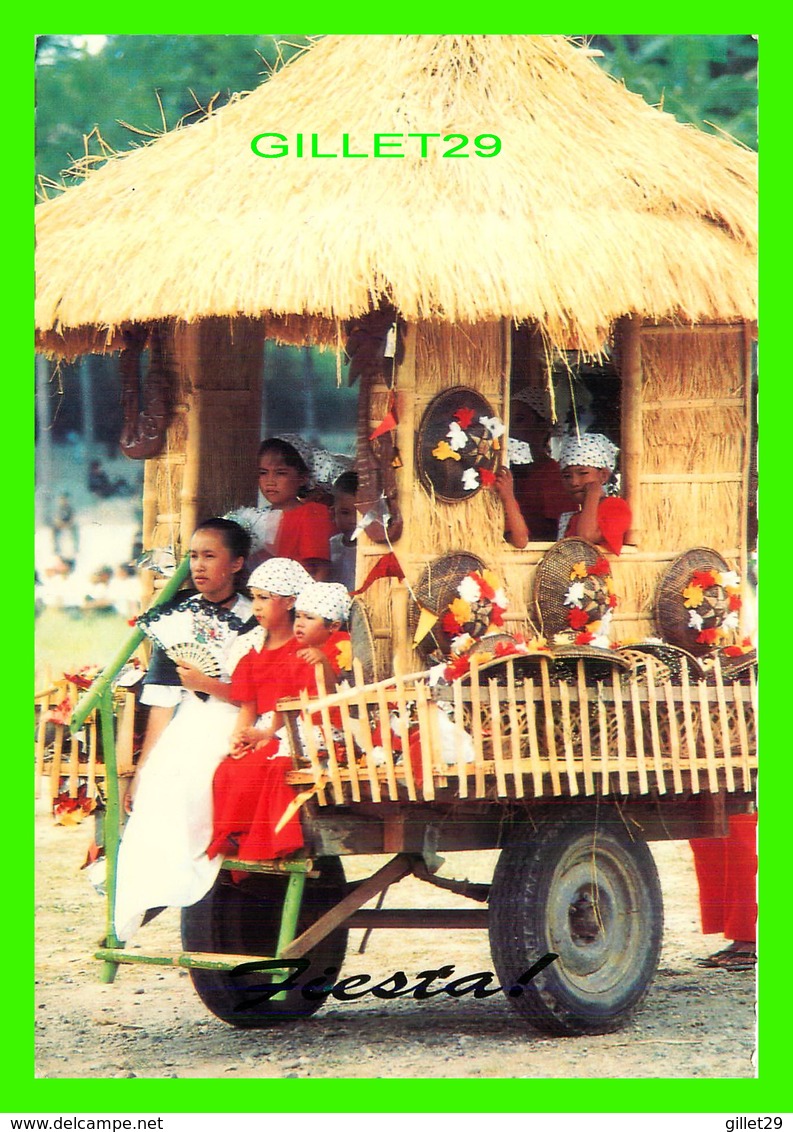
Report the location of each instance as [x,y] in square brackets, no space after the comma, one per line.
[597,205]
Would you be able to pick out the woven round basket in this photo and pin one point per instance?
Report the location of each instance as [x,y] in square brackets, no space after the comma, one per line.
[443,478]
[436,588]
[669,660]
[737,668]
[362,640]
[599,664]
[671,614]
[552,581]
[527,664]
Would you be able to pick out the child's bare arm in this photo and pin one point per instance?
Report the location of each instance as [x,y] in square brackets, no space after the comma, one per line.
[317,656]
[588,526]
[245,720]
[516,529]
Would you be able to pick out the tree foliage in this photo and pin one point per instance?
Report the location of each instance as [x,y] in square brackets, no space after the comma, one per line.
[707,80]
[148,82]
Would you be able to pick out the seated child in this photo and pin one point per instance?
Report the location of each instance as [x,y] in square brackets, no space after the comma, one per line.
[300,530]
[588,462]
[342,545]
[249,790]
[321,609]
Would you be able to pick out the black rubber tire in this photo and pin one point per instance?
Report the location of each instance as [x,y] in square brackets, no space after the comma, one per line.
[545,888]
[244,919]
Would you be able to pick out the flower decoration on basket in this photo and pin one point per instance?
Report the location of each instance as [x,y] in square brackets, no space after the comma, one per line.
[478,608]
[713,601]
[473,442]
[591,600]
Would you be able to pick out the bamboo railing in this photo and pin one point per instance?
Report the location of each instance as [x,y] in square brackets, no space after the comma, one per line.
[516,732]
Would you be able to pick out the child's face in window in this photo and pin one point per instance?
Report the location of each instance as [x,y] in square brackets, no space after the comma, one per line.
[311,629]
[279,482]
[344,513]
[271,610]
[579,479]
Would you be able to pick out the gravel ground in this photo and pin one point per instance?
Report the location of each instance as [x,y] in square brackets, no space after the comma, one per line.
[150,1024]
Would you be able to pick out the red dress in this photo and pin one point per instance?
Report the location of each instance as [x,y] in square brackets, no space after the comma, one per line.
[542,497]
[304,533]
[614,519]
[251,793]
[726,870]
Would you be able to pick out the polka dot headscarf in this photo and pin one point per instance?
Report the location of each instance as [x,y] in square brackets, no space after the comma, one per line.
[536,398]
[281,576]
[589,450]
[325,599]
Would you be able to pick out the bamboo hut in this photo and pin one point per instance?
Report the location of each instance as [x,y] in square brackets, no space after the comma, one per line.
[601,223]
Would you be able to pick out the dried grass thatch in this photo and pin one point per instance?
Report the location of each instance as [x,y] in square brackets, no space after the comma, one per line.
[597,205]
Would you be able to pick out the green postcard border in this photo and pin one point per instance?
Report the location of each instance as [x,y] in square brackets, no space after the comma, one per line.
[766,1094]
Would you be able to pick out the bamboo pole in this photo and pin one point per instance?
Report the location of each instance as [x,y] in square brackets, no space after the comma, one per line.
[622,744]
[365,729]
[674,738]
[425,743]
[514,735]
[349,742]
[498,750]
[567,738]
[586,740]
[459,720]
[310,744]
[550,736]
[327,731]
[41,735]
[632,434]
[388,746]
[691,742]
[655,738]
[707,737]
[603,734]
[725,725]
[404,734]
[743,737]
[476,730]
[534,749]
[638,735]
[92,743]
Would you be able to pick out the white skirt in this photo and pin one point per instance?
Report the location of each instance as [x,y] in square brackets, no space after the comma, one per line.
[162,859]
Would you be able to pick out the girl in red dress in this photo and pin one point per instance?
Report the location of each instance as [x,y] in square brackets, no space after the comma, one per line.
[588,462]
[250,791]
[302,530]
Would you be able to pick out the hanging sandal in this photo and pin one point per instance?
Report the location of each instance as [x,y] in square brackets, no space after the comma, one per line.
[730,960]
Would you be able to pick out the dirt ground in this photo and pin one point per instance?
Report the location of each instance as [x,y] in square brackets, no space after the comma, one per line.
[150,1023]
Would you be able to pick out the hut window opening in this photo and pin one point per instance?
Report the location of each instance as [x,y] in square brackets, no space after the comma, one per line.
[586,397]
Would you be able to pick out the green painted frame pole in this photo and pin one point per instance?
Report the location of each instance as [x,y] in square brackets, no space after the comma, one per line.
[112,824]
[100,695]
[290,913]
[108,674]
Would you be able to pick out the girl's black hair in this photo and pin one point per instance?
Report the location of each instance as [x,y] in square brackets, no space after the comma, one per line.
[235,539]
[286,451]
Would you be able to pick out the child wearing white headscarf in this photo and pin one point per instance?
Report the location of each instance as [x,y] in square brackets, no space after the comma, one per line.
[588,461]
[320,611]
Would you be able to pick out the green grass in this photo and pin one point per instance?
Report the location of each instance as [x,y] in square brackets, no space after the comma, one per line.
[65,642]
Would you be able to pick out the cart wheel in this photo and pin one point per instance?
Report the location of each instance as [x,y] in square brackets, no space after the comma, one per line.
[582,887]
[244,919]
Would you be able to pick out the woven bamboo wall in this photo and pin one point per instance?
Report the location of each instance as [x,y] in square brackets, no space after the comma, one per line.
[685,448]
